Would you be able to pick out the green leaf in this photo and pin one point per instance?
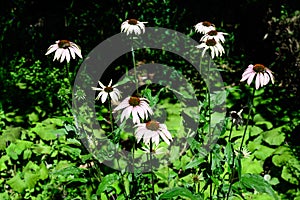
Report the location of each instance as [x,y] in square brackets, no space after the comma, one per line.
[41,149]
[255,181]
[259,120]
[287,175]
[4,159]
[107,182]
[252,166]
[274,136]
[179,191]
[17,184]
[194,163]
[263,152]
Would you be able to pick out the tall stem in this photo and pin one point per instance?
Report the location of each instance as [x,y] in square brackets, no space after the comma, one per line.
[241,145]
[248,117]
[134,68]
[152,177]
[110,114]
[209,128]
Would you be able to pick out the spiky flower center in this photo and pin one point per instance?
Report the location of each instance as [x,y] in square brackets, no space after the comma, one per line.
[108,89]
[132,22]
[134,101]
[211,42]
[152,125]
[259,68]
[64,44]
[234,115]
[206,23]
[212,33]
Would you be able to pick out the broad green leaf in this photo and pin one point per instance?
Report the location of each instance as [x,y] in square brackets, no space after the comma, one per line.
[107,182]
[259,120]
[274,136]
[17,184]
[43,171]
[252,166]
[13,151]
[3,159]
[41,149]
[255,130]
[287,175]
[255,181]
[263,152]
[179,192]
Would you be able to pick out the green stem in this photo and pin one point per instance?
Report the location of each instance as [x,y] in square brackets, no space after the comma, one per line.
[248,117]
[209,128]
[135,73]
[152,177]
[231,127]
[241,145]
[110,114]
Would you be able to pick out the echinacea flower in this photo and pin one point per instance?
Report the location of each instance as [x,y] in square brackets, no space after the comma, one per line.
[244,153]
[216,49]
[204,27]
[236,118]
[213,34]
[262,73]
[152,131]
[136,107]
[133,26]
[106,91]
[64,49]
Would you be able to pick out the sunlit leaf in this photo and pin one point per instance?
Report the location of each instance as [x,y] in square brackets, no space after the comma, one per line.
[179,192]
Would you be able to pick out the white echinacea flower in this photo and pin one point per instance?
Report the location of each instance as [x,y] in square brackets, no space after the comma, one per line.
[136,107]
[216,49]
[106,91]
[262,73]
[133,26]
[152,131]
[204,27]
[213,34]
[64,49]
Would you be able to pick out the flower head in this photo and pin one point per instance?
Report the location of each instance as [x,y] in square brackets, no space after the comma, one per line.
[262,73]
[213,34]
[137,107]
[151,131]
[216,49]
[245,153]
[204,27]
[112,91]
[133,26]
[64,49]
[236,117]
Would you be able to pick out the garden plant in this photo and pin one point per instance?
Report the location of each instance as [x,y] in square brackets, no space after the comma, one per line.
[149,100]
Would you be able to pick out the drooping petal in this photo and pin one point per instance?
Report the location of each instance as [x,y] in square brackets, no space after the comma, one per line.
[257,81]
[250,79]
[104,97]
[51,49]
